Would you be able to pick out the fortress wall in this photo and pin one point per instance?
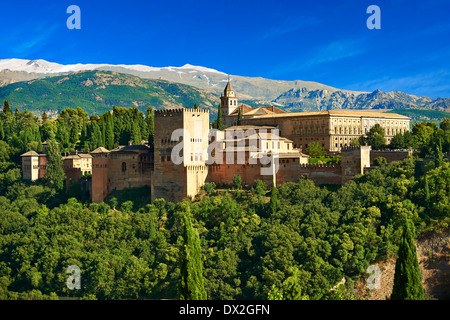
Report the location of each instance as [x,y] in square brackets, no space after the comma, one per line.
[390,155]
[320,174]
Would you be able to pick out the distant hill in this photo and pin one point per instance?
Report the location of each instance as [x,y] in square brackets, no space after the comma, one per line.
[420,115]
[166,87]
[98,91]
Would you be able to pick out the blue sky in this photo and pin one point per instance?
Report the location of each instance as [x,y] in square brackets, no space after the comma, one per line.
[323,41]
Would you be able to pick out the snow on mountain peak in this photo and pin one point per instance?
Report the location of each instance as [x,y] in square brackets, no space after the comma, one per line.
[198,68]
[43,66]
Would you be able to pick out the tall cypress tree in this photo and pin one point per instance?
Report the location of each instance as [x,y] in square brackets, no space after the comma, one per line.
[136,136]
[219,121]
[239,116]
[439,156]
[96,136]
[55,173]
[273,200]
[109,134]
[427,191]
[150,121]
[6,108]
[191,285]
[407,277]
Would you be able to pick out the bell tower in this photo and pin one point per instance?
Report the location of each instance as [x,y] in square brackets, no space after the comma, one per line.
[228,101]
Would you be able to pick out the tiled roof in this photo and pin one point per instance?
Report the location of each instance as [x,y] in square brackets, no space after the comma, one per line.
[30,154]
[358,113]
[100,150]
[244,109]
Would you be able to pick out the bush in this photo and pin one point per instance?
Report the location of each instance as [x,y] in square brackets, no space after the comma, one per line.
[379,161]
[237,181]
[209,187]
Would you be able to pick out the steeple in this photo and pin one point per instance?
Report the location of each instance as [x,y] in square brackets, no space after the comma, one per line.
[229,92]
[229,100]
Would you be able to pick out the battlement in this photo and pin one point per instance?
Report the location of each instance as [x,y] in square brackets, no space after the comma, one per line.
[353,148]
[179,111]
[393,150]
[320,165]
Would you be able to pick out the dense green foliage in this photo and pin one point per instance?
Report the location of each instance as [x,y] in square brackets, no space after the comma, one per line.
[374,138]
[315,150]
[293,242]
[248,248]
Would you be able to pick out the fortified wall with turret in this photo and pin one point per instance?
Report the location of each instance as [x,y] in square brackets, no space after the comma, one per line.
[186,153]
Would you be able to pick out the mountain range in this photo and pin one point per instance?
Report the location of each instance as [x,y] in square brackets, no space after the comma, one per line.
[40,85]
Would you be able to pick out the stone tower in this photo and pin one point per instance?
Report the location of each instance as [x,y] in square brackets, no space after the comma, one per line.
[228,101]
[180,153]
[353,161]
[30,165]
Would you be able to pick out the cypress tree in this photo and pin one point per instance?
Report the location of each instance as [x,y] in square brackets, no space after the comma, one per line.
[2,132]
[191,285]
[73,137]
[273,200]
[136,136]
[96,136]
[427,191]
[407,277]
[219,120]
[54,166]
[150,120]
[239,116]
[62,135]
[103,132]
[6,108]
[109,134]
[439,156]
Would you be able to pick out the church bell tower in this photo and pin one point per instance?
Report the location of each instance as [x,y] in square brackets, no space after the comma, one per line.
[228,101]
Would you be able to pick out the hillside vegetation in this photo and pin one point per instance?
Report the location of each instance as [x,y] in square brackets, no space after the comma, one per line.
[98,91]
[255,243]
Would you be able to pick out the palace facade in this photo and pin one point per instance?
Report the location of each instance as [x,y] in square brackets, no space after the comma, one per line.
[266,145]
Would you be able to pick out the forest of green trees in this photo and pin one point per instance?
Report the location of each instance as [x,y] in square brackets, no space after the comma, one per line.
[295,241]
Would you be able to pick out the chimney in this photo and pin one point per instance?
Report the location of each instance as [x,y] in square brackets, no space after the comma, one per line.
[130,143]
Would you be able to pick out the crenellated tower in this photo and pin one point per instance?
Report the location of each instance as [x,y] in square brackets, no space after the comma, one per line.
[180,153]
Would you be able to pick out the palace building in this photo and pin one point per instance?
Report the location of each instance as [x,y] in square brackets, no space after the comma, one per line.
[332,129]
[263,143]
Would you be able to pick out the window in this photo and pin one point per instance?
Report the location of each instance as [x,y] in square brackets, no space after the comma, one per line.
[124,167]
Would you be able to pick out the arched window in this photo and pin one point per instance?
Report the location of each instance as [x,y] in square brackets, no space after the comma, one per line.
[124,167]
